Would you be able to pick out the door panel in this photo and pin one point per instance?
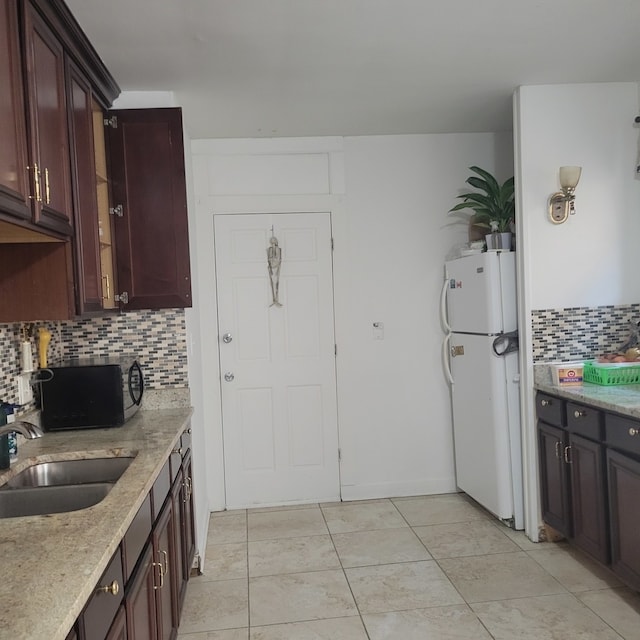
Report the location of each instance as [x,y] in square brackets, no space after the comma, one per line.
[279,409]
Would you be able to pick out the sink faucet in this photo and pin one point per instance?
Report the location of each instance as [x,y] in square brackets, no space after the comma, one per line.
[27,429]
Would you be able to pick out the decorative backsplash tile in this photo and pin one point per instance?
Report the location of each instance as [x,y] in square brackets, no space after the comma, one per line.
[158,338]
[577,333]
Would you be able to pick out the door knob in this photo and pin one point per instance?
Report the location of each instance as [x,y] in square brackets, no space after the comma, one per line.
[227,338]
[229,376]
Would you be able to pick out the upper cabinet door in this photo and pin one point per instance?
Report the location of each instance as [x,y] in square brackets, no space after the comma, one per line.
[14,189]
[149,195]
[49,148]
[86,239]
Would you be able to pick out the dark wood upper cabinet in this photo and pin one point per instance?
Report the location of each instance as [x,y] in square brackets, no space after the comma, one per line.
[86,240]
[14,190]
[49,158]
[94,277]
[148,188]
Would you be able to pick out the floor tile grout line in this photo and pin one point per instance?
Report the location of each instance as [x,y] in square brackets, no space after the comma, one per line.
[528,552]
[344,573]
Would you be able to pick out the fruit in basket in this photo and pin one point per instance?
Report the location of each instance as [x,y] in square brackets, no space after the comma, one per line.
[611,357]
[630,355]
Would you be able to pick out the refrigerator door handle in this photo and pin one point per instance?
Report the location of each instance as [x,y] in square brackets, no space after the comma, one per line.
[445,358]
[443,306]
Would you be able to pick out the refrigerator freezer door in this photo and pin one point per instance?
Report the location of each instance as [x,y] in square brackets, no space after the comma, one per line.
[481,293]
[481,424]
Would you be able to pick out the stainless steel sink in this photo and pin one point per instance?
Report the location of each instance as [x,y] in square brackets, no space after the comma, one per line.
[33,501]
[70,472]
[59,487]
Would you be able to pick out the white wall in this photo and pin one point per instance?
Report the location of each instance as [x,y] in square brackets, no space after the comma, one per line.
[590,260]
[388,196]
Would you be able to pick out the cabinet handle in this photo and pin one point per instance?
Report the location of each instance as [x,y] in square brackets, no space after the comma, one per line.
[546,403]
[188,489]
[107,286]
[36,183]
[47,193]
[112,588]
[633,431]
[579,414]
[558,445]
[567,459]
[165,562]
[161,572]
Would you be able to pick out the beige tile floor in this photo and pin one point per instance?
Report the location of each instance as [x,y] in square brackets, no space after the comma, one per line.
[433,567]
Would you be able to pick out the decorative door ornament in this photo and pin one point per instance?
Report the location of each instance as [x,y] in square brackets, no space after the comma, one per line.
[274,262]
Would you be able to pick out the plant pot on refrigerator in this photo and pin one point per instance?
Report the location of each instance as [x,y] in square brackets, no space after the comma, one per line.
[498,241]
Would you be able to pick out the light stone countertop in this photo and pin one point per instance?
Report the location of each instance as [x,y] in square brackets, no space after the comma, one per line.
[622,399]
[51,564]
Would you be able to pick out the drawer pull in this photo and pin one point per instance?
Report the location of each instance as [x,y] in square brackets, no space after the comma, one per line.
[567,459]
[633,431]
[179,450]
[579,414]
[112,588]
[558,445]
[546,403]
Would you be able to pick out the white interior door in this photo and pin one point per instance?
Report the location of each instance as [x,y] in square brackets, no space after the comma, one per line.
[277,364]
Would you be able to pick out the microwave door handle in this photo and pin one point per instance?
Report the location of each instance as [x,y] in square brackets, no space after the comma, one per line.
[136,366]
[443,306]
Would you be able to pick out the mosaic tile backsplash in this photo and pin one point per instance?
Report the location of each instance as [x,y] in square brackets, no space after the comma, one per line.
[158,338]
[578,333]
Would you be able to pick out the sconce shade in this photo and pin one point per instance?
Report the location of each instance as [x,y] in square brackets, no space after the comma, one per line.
[569,177]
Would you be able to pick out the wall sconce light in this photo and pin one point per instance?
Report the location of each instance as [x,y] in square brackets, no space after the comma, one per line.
[561,202]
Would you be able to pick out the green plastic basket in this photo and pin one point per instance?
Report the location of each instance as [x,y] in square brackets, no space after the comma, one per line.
[611,374]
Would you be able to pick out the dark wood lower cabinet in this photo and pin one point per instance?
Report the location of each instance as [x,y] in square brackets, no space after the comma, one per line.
[188,522]
[118,629]
[624,492]
[164,553]
[140,601]
[180,576]
[554,478]
[589,486]
[151,566]
[588,497]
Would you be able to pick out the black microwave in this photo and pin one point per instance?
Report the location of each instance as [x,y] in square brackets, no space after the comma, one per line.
[83,393]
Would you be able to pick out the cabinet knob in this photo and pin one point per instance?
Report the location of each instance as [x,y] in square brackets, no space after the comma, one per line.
[178,450]
[579,414]
[546,403]
[633,431]
[112,588]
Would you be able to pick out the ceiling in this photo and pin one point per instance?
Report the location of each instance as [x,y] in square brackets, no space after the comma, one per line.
[253,68]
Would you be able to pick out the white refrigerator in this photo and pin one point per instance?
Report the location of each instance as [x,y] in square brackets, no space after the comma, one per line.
[479,314]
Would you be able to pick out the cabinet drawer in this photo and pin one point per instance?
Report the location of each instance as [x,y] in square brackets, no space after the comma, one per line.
[160,490]
[180,451]
[103,605]
[136,537]
[550,410]
[585,421]
[623,433]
